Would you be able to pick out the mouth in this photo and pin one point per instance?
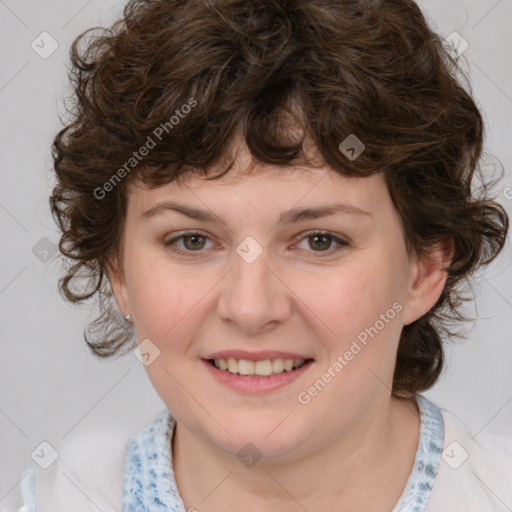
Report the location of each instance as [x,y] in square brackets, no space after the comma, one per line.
[256,373]
[262,368]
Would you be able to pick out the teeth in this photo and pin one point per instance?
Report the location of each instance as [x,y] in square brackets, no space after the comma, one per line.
[262,368]
[232,365]
[277,365]
[244,367]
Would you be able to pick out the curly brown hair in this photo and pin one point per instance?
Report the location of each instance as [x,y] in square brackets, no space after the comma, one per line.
[372,68]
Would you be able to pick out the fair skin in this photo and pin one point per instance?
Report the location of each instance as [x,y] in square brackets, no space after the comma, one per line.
[352,446]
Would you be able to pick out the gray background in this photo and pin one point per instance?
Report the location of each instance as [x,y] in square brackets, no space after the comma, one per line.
[52,389]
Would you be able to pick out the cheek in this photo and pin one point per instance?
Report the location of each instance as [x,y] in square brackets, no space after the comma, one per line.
[361,306]
[167,306]
[161,299]
[354,298]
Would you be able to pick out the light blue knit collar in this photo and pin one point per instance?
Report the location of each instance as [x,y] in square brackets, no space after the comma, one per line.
[150,484]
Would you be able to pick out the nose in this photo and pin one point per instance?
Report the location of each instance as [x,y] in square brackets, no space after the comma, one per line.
[253,298]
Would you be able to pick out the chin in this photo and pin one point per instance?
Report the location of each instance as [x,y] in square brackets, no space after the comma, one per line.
[268,438]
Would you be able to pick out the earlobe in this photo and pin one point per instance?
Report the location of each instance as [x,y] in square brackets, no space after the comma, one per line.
[427,282]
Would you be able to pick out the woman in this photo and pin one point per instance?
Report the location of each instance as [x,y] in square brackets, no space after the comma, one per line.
[281,198]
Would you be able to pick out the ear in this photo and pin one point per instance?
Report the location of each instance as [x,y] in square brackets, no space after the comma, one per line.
[427,280]
[117,280]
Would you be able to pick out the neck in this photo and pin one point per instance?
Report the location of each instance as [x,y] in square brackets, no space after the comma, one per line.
[364,469]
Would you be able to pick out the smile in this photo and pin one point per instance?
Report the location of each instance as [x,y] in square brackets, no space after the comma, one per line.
[264,368]
[256,377]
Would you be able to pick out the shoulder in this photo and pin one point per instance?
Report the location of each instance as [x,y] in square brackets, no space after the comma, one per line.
[475,472]
[87,475]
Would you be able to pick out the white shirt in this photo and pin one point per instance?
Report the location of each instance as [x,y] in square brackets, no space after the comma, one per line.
[452,472]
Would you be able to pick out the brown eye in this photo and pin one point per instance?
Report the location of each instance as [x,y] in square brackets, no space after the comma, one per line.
[195,242]
[188,243]
[321,242]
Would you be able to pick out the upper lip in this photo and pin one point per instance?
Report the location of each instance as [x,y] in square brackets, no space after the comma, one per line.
[255,356]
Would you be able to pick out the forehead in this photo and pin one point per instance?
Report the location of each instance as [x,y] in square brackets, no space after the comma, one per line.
[271,188]
[248,181]
[269,199]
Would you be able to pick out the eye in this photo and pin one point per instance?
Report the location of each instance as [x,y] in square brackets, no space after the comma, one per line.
[193,241]
[321,241]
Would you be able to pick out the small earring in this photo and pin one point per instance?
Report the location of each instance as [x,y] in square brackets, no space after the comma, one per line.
[127,317]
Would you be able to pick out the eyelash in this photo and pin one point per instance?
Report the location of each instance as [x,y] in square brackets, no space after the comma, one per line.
[188,234]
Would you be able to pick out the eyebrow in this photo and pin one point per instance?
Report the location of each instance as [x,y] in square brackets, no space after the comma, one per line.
[287,217]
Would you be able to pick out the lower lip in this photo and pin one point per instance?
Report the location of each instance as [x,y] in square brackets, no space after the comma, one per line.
[256,384]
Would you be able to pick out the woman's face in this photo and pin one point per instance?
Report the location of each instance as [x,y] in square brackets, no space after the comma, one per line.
[253,283]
